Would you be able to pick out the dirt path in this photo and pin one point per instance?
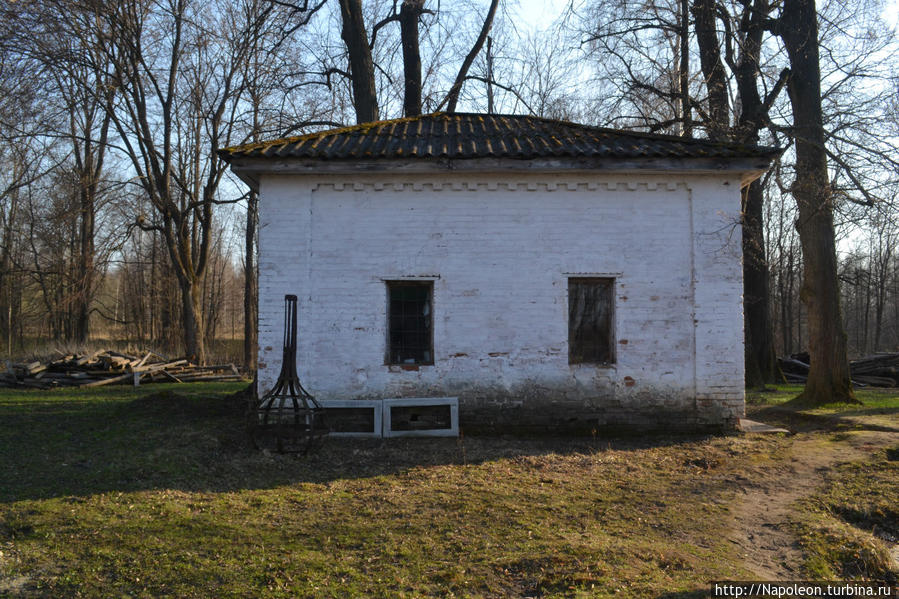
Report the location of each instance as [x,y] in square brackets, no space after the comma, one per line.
[762,516]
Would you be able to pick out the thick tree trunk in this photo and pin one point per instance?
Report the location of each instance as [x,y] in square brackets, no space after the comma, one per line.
[760,357]
[829,374]
[362,69]
[192,320]
[712,69]
[251,289]
[409,14]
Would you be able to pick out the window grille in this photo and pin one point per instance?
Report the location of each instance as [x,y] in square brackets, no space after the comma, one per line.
[410,335]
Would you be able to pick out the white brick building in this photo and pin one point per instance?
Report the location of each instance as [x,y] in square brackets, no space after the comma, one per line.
[545,273]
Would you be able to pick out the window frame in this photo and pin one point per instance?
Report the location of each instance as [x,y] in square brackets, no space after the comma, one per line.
[389,350]
[611,281]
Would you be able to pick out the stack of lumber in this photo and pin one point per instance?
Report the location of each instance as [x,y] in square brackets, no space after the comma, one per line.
[879,370]
[106,367]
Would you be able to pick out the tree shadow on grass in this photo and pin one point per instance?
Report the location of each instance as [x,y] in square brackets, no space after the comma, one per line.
[797,420]
[55,444]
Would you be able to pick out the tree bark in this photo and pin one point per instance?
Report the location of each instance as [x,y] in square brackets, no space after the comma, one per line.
[683,70]
[362,69]
[192,320]
[829,378]
[85,267]
[410,11]
[760,357]
[712,69]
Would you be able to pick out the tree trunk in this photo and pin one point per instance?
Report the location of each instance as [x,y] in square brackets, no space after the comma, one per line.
[683,69]
[89,158]
[828,379]
[409,14]
[760,357]
[362,69]
[85,266]
[192,320]
[6,274]
[712,69]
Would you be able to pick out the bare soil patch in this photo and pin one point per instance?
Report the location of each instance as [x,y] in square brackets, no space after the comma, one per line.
[765,509]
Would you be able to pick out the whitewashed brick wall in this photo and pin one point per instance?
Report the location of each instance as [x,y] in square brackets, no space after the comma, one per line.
[500,249]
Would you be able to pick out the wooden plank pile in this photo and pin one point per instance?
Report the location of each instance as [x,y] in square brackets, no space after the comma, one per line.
[879,370]
[107,367]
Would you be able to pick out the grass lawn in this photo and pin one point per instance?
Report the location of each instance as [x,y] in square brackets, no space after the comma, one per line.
[155,492]
[872,399]
[843,525]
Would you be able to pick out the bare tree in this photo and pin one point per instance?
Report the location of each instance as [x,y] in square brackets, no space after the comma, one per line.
[452,98]
[364,67]
[25,157]
[174,88]
[828,379]
[643,49]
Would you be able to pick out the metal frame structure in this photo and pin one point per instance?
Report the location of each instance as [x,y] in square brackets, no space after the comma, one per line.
[288,419]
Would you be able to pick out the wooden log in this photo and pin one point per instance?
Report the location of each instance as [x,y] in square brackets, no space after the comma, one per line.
[795,378]
[114,362]
[32,370]
[34,383]
[143,360]
[875,381]
[109,381]
[170,376]
[211,378]
[87,358]
[160,366]
[33,367]
[793,366]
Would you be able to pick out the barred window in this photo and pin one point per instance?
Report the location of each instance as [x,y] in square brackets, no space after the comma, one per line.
[410,339]
[590,338]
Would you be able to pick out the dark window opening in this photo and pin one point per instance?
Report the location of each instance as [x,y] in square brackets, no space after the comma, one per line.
[409,329]
[590,321]
[412,418]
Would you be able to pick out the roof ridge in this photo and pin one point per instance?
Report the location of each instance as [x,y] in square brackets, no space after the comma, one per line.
[474,135]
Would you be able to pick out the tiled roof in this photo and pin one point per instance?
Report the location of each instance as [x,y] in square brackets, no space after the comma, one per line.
[465,135]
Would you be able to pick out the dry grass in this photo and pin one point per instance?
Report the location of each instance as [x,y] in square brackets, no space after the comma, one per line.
[154,492]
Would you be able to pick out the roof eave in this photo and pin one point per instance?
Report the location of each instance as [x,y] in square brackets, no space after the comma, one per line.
[249,169]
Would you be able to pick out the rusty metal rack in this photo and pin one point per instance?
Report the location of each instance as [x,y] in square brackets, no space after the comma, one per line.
[288,419]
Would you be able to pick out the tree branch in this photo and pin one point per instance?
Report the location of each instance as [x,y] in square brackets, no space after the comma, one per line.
[452,97]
